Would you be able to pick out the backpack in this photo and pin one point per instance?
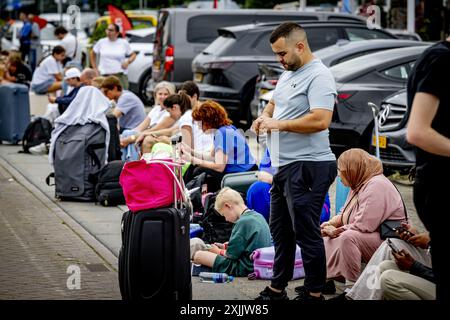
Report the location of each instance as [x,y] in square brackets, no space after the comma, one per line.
[38,131]
[78,156]
[215,227]
[108,190]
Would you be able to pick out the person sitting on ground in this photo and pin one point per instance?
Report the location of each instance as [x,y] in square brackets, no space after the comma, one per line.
[416,244]
[353,236]
[249,233]
[97,81]
[48,75]
[72,77]
[406,279]
[258,194]
[231,152]
[87,76]
[16,71]
[179,107]
[129,108]
[158,118]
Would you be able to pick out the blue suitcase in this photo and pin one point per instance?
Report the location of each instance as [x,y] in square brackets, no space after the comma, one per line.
[14,111]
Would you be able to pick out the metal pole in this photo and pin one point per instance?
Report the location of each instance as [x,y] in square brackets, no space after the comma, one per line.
[411,16]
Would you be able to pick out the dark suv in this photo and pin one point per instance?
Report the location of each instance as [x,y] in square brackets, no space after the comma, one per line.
[183,33]
[227,69]
[395,152]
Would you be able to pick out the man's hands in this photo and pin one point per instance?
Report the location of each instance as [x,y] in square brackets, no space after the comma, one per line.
[403,259]
[214,249]
[51,99]
[420,240]
[265,124]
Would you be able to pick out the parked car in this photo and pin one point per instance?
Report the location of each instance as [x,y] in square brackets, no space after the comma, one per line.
[330,56]
[370,78]
[395,152]
[183,33]
[209,4]
[405,34]
[10,41]
[141,42]
[87,20]
[227,69]
[49,41]
[139,19]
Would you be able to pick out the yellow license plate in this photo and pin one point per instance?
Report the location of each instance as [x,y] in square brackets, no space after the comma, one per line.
[263,91]
[198,77]
[156,65]
[382,141]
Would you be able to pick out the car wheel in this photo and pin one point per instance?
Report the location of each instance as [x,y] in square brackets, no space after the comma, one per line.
[146,99]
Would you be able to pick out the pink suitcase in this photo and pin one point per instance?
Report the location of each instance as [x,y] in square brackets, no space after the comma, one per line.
[263,264]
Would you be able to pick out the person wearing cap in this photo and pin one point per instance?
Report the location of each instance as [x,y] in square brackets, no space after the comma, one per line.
[72,78]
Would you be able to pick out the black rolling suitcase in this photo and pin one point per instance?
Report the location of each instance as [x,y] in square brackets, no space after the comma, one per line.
[154,260]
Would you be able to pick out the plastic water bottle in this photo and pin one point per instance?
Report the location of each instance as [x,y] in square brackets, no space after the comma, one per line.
[213,277]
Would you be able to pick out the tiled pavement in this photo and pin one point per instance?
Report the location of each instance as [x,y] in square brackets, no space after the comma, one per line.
[41,256]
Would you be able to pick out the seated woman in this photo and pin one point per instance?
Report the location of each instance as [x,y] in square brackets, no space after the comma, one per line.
[250,232]
[157,118]
[258,195]
[353,236]
[179,108]
[231,152]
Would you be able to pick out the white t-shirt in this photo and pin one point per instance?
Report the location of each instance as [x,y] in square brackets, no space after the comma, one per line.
[202,142]
[46,70]
[156,115]
[112,55]
[69,42]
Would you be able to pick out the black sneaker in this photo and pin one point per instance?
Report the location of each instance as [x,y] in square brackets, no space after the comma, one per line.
[268,294]
[340,298]
[305,296]
[329,288]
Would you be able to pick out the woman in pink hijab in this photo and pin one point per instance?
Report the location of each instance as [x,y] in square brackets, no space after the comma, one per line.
[353,236]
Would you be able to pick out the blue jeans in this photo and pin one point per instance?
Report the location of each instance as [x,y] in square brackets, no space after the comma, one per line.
[130,152]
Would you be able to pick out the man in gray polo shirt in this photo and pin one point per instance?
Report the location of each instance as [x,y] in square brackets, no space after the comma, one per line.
[297,120]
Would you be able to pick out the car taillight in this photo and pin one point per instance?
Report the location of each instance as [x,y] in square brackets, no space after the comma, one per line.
[273,82]
[219,65]
[169,59]
[344,95]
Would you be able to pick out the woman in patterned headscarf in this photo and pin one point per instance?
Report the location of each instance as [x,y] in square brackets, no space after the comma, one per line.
[353,236]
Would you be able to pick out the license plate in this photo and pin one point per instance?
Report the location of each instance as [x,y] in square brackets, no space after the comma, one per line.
[382,141]
[263,91]
[156,65]
[198,77]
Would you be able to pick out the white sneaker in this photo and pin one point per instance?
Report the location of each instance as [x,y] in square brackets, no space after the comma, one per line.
[39,149]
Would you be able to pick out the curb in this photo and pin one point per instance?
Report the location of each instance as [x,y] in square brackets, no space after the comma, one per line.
[102,251]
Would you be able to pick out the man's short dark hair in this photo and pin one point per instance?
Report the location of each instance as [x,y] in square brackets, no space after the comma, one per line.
[191,88]
[283,30]
[60,30]
[58,50]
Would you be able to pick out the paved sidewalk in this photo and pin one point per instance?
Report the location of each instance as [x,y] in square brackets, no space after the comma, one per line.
[100,227]
[40,254]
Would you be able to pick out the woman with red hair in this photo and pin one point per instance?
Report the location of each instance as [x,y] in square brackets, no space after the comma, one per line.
[230,153]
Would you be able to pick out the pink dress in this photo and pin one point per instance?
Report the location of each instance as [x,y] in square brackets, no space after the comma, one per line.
[378,200]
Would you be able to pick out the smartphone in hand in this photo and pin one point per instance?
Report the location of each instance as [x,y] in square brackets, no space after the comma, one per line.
[392,246]
[402,229]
